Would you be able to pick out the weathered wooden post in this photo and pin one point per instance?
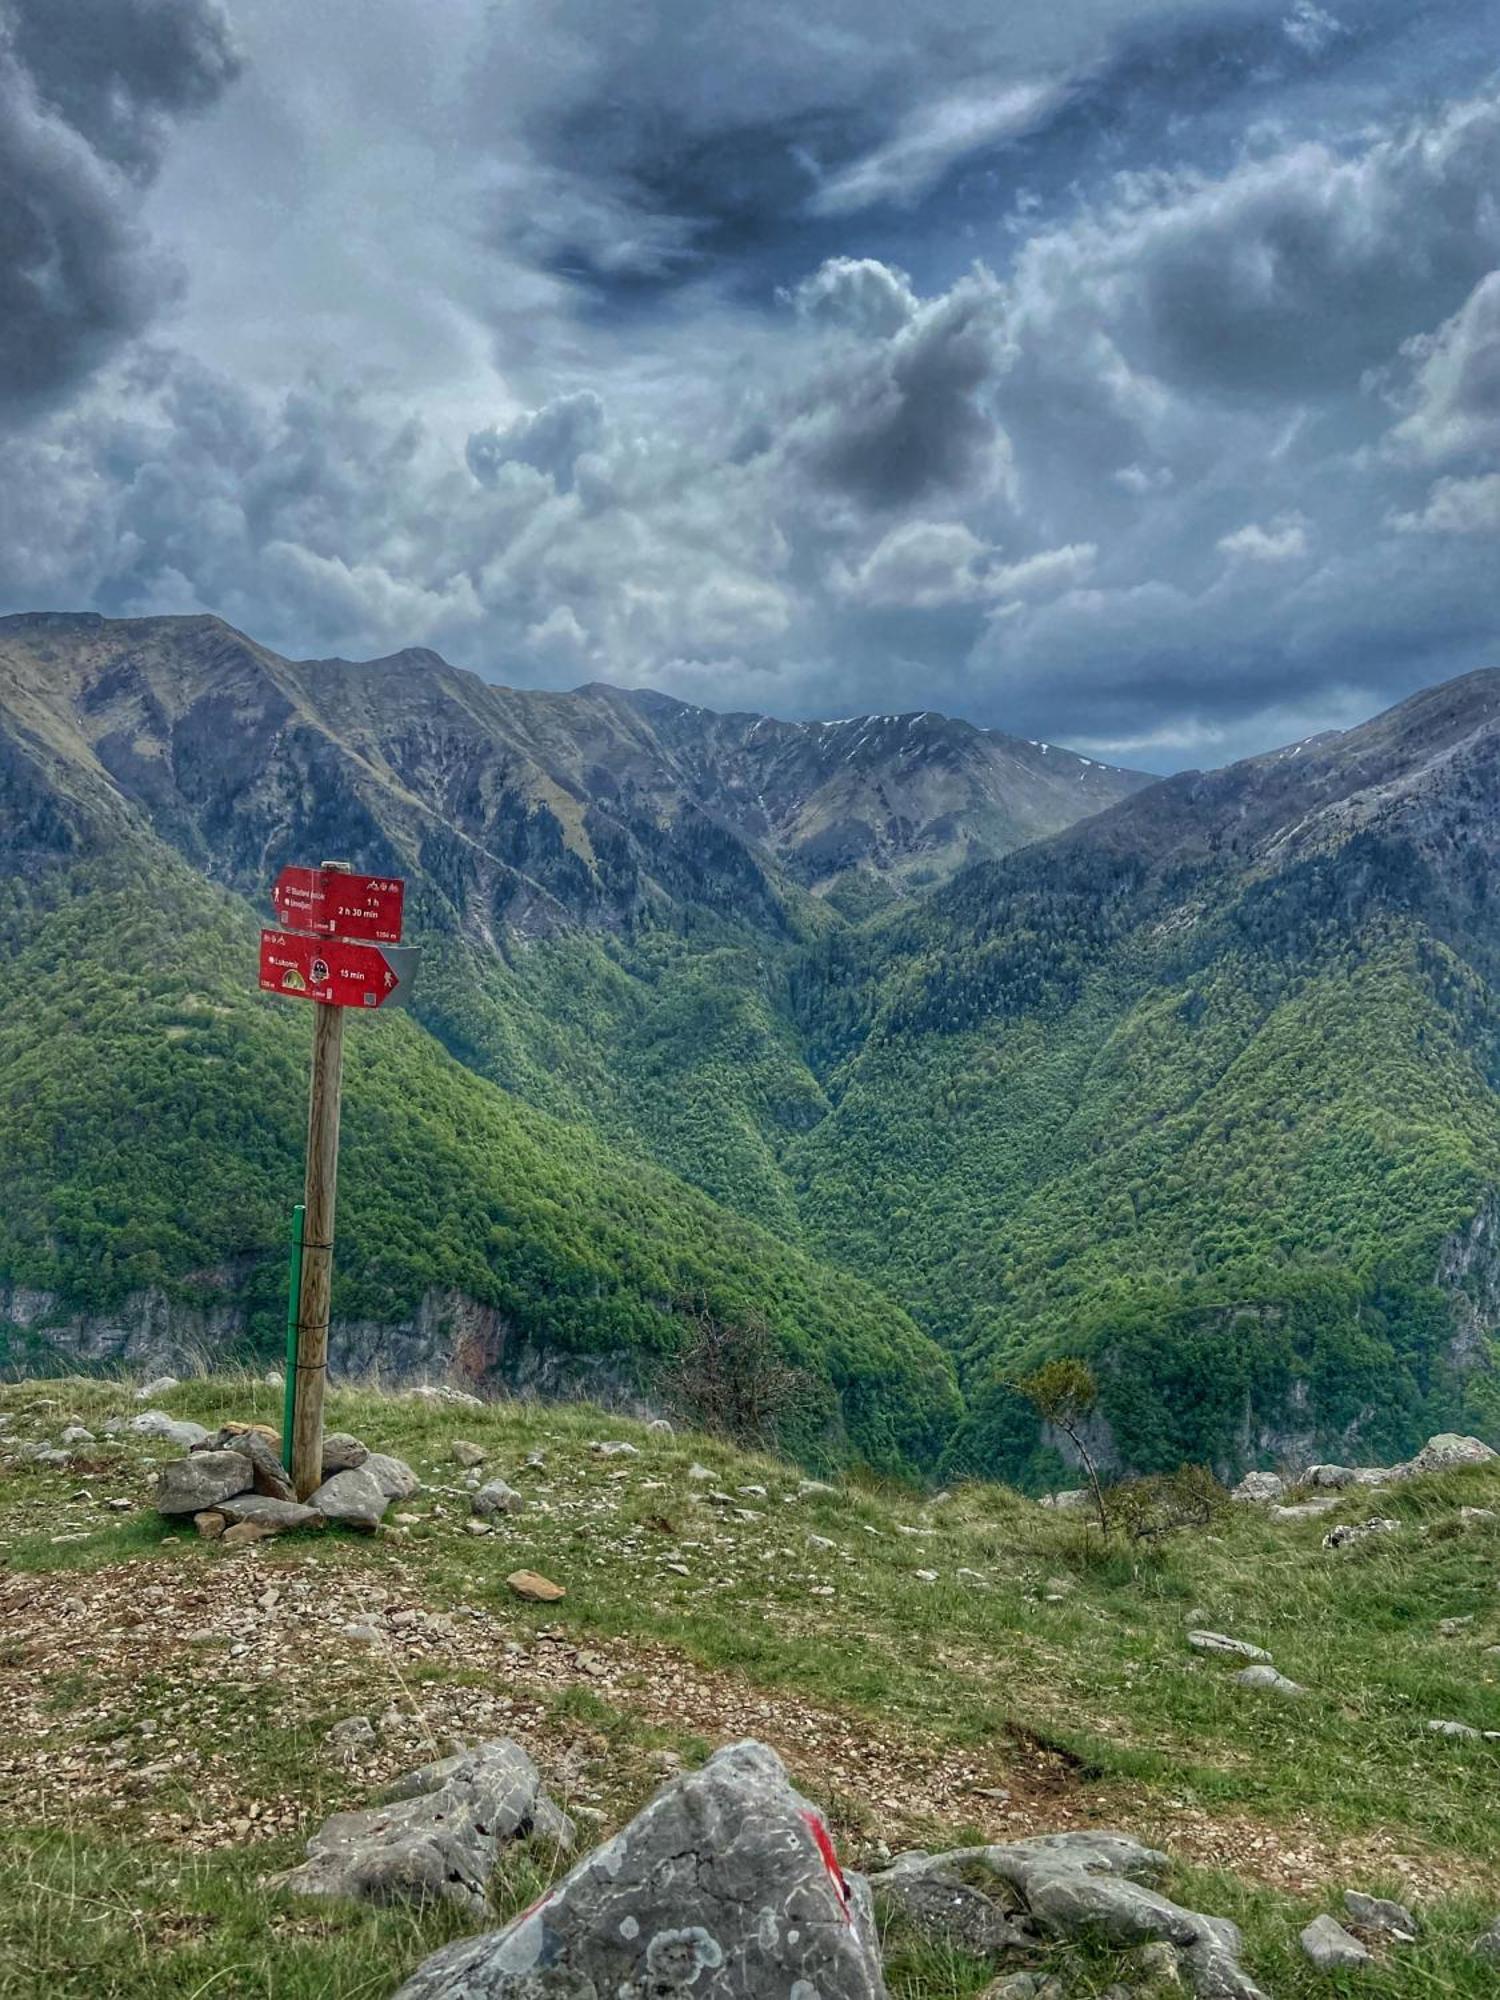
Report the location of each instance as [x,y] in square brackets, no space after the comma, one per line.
[320,1197]
[319,956]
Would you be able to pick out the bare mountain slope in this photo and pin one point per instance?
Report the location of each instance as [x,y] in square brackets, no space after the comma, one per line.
[528,808]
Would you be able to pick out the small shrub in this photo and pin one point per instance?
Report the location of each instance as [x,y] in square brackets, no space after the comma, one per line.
[1064,1393]
[1148,1510]
[732,1379]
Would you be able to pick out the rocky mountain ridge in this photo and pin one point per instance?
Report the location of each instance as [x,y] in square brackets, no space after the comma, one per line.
[528,809]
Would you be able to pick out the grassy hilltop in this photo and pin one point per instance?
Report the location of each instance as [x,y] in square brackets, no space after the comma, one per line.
[946,1669]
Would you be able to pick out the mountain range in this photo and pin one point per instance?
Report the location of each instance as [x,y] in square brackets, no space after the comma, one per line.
[933,1050]
[538,810]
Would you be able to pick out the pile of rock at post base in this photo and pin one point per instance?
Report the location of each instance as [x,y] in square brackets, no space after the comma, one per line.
[234,1485]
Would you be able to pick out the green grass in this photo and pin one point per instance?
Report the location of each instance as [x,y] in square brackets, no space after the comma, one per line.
[1037,1661]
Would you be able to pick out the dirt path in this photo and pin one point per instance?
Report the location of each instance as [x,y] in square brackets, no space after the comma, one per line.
[192,1706]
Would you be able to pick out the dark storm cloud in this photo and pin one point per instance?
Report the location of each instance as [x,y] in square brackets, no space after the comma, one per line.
[120,71]
[892,422]
[1112,372]
[89,90]
[672,140]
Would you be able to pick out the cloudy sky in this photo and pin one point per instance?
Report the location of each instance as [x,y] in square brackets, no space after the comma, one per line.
[1120,372]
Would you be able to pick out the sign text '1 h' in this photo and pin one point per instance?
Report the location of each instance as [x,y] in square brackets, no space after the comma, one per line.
[330,903]
[339,945]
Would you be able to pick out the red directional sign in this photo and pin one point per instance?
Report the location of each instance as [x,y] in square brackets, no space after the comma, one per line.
[335,970]
[330,903]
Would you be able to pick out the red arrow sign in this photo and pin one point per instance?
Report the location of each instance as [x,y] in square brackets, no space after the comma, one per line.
[329,903]
[335,971]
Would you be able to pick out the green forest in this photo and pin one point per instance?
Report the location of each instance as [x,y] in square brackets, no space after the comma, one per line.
[153,1122]
[1209,1128]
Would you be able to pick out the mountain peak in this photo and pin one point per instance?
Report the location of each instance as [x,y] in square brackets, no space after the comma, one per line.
[530,788]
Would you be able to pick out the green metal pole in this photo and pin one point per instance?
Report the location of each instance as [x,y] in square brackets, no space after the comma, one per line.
[293,1309]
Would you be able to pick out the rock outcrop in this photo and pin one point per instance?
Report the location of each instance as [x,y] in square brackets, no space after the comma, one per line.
[439,1836]
[726,1885]
[1087,1884]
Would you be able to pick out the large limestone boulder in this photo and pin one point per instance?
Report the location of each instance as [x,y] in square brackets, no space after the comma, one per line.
[1443,1452]
[356,1498]
[259,1445]
[440,1836]
[342,1452]
[1097,1885]
[1259,1486]
[725,1886]
[394,1476]
[277,1515]
[188,1485]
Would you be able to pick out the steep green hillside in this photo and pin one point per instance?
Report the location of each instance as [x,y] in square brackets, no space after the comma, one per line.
[1211,1121]
[1204,1087]
[151,1123]
[676,1046]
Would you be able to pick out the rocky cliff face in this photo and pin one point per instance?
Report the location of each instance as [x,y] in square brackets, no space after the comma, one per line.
[1468,1270]
[450,1338]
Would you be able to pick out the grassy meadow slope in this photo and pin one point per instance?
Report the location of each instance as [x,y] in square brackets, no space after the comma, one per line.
[934,1670]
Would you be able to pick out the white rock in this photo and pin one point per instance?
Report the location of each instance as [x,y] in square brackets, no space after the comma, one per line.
[1259,1486]
[1218,1642]
[430,1392]
[1329,1945]
[157,1386]
[1347,1532]
[174,1430]
[1264,1675]
[1443,1452]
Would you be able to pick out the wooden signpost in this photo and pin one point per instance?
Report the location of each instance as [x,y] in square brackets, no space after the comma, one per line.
[338,948]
